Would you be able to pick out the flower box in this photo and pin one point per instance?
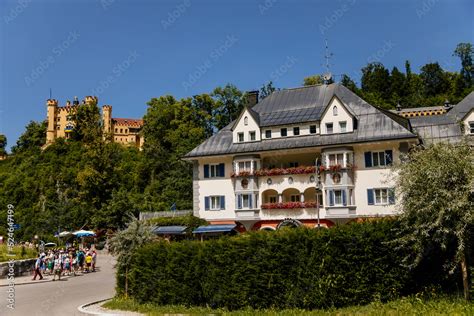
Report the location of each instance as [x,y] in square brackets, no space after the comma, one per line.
[288,205]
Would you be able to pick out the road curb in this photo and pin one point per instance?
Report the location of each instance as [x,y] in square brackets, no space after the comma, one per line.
[83,311]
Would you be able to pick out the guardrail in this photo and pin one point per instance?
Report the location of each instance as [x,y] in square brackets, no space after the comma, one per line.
[150,215]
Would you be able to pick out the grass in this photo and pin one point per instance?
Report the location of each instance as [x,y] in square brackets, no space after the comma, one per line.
[27,253]
[405,306]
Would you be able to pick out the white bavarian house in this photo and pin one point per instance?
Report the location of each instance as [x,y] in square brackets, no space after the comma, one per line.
[316,154]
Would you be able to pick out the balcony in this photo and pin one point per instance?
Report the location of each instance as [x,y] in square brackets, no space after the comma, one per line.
[288,205]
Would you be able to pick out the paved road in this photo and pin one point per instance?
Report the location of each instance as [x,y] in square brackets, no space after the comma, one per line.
[62,297]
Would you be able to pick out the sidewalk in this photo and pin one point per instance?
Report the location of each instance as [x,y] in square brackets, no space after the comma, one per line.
[27,279]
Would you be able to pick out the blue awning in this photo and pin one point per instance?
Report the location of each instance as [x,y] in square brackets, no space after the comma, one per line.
[170,230]
[214,229]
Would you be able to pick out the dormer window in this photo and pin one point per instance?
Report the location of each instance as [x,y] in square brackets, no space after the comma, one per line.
[252,135]
[329,128]
[246,121]
[334,111]
[240,137]
[343,126]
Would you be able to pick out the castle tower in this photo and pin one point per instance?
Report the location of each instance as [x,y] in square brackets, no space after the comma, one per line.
[107,118]
[51,131]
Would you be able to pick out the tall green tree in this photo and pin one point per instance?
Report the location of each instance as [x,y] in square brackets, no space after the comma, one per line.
[229,103]
[266,90]
[312,80]
[465,52]
[347,82]
[435,80]
[87,123]
[437,202]
[3,145]
[33,137]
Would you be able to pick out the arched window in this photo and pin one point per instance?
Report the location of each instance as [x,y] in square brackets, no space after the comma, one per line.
[246,121]
[334,111]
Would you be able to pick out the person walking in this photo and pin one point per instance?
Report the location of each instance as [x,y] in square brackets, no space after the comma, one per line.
[38,267]
[57,267]
[94,260]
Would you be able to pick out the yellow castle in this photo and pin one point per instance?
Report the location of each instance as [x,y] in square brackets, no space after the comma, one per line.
[124,131]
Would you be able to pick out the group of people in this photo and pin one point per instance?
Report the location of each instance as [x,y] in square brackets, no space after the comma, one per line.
[60,262]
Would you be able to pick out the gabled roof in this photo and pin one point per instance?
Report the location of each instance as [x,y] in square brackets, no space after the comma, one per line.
[253,114]
[303,105]
[461,109]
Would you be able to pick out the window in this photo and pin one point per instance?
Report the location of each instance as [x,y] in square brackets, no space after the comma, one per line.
[343,127]
[214,203]
[58,127]
[283,132]
[329,129]
[295,198]
[245,166]
[294,164]
[272,199]
[337,197]
[471,127]
[312,129]
[336,159]
[268,133]
[240,137]
[121,131]
[378,158]
[334,111]
[252,135]
[116,130]
[244,201]
[214,170]
[381,196]
[296,131]
[246,121]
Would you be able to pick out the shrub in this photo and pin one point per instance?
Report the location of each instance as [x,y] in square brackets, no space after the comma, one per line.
[290,268]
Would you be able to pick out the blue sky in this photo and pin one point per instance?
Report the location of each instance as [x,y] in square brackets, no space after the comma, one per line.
[127,52]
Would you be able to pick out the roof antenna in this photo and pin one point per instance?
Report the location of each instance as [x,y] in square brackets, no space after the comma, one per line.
[327,76]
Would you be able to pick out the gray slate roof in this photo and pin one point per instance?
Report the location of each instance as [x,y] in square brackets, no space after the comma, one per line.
[446,127]
[306,104]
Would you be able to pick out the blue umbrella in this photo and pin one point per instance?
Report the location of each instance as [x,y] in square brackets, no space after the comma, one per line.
[84,233]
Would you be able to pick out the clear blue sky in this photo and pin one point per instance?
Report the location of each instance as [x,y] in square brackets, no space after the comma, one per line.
[127,52]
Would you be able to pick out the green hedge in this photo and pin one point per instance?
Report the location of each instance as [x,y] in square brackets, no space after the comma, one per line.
[190,221]
[291,268]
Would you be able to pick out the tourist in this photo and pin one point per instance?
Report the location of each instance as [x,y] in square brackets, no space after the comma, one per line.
[57,267]
[88,261]
[94,259]
[37,267]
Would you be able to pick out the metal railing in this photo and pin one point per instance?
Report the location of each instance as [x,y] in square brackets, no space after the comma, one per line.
[150,215]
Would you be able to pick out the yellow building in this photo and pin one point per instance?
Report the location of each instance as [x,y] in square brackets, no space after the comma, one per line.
[125,131]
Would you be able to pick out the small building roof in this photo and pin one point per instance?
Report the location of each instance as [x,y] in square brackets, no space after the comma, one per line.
[127,122]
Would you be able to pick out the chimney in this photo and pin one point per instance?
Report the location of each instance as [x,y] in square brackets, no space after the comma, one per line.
[446,104]
[399,107]
[252,98]
[76,101]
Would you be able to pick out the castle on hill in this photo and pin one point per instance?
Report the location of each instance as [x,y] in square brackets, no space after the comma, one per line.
[125,131]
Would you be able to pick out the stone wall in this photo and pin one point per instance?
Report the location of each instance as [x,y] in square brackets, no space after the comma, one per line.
[21,267]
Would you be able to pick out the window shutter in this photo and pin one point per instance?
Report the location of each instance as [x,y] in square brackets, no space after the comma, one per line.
[331,197]
[222,202]
[370,196]
[239,201]
[391,196]
[344,200]
[206,171]
[368,159]
[388,157]
[206,203]
[250,201]
[221,170]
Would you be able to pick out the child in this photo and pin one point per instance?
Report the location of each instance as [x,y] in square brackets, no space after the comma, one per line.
[88,261]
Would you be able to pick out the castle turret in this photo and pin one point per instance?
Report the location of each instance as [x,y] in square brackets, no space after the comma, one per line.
[52,110]
[107,118]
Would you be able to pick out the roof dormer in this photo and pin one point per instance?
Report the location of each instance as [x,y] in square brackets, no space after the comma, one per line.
[246,128]
[336,118]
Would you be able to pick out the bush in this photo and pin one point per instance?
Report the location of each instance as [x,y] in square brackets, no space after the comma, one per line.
[190,221]
[290,268]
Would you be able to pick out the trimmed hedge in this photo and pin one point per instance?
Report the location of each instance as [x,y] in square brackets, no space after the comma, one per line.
[291,268]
